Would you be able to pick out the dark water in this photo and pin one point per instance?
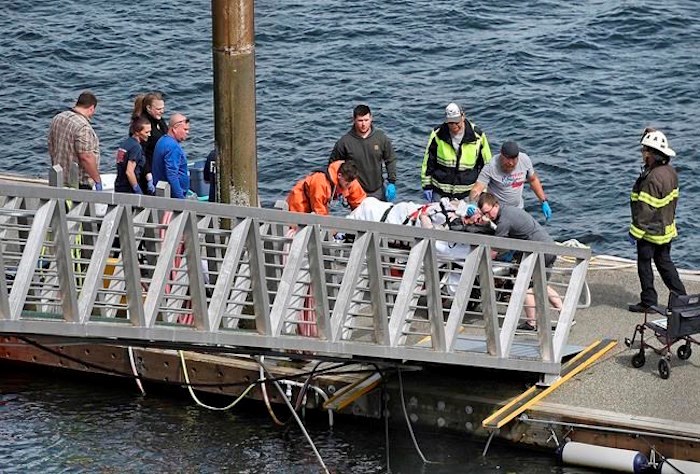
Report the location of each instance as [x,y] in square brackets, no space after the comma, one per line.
[50,424]
[573,84]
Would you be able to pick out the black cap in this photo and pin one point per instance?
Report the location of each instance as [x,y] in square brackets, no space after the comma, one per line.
[510,149]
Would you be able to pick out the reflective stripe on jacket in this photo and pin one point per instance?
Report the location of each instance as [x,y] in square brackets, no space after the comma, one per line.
[653,204]
[454,172]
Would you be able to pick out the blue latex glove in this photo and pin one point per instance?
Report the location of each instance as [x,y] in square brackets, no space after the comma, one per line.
[506,256]
[98,186]
[151,187]
[390,192]
[428,195]
[631,239]
[546,210]
[471,210]
[137,188]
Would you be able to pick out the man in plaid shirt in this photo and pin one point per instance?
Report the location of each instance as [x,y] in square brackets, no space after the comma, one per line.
[71,138]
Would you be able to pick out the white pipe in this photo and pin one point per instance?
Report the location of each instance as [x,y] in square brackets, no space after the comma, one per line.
[614,459]
[677,466]
[316,389]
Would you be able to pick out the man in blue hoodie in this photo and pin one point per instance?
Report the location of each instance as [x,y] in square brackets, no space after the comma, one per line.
[170,160]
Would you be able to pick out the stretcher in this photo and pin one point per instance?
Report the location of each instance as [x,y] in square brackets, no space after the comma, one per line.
[681,321]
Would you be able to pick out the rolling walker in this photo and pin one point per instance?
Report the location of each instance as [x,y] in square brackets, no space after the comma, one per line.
[681,322]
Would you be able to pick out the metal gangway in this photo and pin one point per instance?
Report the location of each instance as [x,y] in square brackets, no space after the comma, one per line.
[116,267]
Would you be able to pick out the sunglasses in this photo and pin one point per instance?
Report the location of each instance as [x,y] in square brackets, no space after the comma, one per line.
[181,122]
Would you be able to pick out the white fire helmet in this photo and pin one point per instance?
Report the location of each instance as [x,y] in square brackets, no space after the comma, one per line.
[657,140]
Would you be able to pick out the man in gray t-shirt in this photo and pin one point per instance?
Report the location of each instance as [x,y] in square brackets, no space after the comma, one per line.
[505,178]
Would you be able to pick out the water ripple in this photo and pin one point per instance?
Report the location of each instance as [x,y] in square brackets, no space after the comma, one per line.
[575,84]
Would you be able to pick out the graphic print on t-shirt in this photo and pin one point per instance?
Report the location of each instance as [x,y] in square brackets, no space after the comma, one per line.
[514,180]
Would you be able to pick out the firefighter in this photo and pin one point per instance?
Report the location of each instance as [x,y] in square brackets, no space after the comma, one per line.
[653,202]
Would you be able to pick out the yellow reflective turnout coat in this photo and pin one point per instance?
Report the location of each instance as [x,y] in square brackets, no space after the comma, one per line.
[653,203]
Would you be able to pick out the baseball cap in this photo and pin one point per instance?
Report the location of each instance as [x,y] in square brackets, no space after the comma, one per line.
[453,113]
[510,149]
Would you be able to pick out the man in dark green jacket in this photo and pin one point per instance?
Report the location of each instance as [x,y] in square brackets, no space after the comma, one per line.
[653,203]
[371,151]
[456,152]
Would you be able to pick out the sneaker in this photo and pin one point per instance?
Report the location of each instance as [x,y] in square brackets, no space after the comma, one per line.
[526,327]
[638,308]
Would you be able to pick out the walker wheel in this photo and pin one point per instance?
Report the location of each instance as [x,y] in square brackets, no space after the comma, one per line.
[684,351]
[638,360]
[664,369]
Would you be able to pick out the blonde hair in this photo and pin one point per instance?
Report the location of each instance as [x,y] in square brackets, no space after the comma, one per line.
[144,100]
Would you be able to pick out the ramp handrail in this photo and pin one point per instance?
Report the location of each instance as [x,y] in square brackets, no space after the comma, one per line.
[117,266]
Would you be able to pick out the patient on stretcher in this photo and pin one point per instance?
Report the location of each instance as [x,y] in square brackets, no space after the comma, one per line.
[445,214]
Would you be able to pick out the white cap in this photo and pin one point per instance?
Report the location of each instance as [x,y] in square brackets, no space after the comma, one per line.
[453,113]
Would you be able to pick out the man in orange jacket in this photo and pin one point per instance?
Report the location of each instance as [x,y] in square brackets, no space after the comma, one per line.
[315,192]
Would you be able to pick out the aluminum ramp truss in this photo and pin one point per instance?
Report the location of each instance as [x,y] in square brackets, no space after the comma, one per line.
[138,268]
